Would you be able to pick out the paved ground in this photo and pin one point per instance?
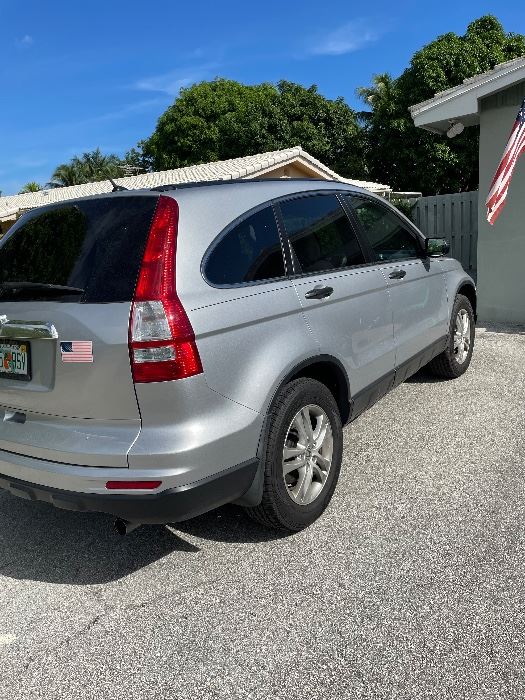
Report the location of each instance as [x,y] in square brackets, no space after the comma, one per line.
[410,586]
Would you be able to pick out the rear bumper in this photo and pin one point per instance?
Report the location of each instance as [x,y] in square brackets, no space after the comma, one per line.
[171,505]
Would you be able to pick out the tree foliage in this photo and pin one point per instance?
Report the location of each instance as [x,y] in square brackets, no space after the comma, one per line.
[48,244]
[411,159]
[30,187]
[90,167]
[136,161]
[224,119]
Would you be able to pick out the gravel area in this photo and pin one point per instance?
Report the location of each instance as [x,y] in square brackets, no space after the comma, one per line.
[410,586]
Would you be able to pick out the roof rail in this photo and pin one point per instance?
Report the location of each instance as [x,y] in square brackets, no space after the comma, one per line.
[205,183]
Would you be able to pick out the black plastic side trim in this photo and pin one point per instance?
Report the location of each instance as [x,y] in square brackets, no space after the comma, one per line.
[368,396]
[173,505]
[407,369]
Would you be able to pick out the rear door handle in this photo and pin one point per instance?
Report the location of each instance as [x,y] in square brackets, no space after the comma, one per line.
[319,293]
[397,274]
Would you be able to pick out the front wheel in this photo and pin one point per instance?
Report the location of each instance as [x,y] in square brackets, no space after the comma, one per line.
[455,360]
[302,457]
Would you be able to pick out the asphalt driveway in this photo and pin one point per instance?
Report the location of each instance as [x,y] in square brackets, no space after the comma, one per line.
[410,586]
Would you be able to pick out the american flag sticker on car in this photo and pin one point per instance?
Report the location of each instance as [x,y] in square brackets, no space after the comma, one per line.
[77,351]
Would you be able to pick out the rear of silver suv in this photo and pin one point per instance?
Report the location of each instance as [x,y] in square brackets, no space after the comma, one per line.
[158,359]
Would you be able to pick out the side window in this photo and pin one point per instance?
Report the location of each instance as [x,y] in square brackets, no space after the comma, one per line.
[320,233]
[389,238]
[250,252]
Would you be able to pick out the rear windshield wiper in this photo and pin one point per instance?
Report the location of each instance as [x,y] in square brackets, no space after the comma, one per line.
[41,287]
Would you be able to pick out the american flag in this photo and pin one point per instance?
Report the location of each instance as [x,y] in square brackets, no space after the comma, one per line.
[77,351]
[500,184]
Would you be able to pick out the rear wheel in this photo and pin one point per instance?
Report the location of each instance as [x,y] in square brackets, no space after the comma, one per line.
[302,458]
[455,360]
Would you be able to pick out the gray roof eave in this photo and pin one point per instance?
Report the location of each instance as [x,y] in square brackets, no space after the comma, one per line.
[461,103]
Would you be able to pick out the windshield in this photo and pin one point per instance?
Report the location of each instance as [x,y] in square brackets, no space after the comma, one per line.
[93,245]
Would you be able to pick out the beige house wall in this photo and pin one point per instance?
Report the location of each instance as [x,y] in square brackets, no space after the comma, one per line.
[292,170]
[501,247]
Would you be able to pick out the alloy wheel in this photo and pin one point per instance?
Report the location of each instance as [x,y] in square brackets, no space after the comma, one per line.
[307,454]
[462,336]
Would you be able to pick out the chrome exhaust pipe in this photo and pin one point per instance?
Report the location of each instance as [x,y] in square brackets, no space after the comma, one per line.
[124,527]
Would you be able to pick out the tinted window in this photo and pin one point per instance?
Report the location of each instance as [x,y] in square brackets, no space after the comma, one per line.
[96,245]
[250,252]
[389,238]
[320,233]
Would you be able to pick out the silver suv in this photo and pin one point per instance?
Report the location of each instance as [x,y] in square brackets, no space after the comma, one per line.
[164,352]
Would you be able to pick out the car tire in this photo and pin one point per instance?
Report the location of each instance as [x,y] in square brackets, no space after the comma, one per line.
[300,469]
[455,360]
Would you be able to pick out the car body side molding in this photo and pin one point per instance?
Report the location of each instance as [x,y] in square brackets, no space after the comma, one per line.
[370,394]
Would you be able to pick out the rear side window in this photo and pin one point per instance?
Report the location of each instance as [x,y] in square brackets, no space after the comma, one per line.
[96,245]
[250,252]
[321,235]
[386,233]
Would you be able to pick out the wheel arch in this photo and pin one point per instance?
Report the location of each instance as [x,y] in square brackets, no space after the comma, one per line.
[468,290]
[326,369]
[329,371]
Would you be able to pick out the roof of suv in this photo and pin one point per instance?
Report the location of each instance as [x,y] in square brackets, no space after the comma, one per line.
[268,188]
[261,189]
[207,183]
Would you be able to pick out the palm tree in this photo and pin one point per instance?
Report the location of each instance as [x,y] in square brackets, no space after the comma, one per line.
[30,187]
[96,166]
[66,175]
[381,96]
[89,167]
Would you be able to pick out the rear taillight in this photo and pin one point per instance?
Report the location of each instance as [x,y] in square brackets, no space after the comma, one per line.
[161,340]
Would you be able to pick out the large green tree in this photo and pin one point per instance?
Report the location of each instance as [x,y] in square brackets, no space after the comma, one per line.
[224,119]
[412,159]
[89,167]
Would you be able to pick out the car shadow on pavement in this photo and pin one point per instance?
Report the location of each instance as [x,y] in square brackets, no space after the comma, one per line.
[41,543]
[503,328]
[229,524]
[424,376]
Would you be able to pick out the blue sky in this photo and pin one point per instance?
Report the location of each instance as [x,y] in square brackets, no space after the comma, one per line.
[76,76]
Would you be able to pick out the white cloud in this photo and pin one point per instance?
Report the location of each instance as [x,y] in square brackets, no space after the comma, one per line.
[171,83]
[125,110]
[29,162]
[349,37]
[25,42]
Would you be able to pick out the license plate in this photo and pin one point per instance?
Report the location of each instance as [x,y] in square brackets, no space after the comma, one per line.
[15,360]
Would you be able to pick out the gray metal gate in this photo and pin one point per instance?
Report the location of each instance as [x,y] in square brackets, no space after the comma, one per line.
[455,217]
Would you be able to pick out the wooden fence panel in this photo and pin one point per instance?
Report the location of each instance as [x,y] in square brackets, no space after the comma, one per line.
[455,217]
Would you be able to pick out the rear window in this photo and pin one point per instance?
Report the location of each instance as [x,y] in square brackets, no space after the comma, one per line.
[94,245]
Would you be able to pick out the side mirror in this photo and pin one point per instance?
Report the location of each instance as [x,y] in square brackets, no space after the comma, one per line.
[436,247]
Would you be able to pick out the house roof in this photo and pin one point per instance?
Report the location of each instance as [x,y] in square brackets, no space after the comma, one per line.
[248,167]
[461,103]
